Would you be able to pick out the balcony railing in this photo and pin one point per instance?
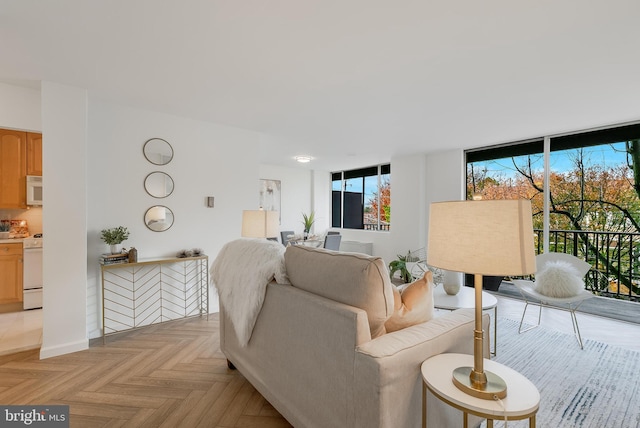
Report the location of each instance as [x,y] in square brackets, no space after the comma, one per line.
[374,226]
[614,258]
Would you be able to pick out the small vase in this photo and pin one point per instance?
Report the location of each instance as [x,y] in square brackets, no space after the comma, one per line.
[451,288]
[115,249]
[451,282]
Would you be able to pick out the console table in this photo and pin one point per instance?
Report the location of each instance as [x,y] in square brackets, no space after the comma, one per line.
[152,291]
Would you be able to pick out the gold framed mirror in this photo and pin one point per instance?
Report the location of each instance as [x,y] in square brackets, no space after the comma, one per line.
[158,218]
[158,184]
[158,151]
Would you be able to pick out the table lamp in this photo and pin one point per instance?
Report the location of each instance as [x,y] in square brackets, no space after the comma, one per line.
[485,237]
[260,224]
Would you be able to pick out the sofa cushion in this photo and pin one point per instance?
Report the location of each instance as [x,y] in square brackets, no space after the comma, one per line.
[413,304]
[354,279]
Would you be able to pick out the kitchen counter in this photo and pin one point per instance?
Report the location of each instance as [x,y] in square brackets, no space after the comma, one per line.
[11,241]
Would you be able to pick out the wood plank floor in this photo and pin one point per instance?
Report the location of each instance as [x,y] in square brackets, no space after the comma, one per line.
[174,375]
[170,375]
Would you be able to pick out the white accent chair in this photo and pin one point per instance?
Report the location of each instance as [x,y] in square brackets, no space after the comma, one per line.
[569,304]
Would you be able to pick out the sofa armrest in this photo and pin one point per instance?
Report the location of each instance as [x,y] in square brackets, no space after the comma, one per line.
[450,331]
[389,375]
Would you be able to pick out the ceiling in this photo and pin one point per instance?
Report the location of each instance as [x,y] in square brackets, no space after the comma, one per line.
[349,82]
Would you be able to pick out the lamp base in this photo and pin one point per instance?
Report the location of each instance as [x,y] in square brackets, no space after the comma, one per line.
[495,387]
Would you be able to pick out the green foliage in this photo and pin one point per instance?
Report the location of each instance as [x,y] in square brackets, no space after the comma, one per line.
[114,235]
[308,220]
[5,226]
[401,265]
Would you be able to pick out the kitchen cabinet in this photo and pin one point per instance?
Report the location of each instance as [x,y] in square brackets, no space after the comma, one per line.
[20,155]
[13,169]
[34,153]
[11,273]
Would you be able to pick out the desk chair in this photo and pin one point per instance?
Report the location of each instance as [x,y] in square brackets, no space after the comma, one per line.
[284,236]
[332,242]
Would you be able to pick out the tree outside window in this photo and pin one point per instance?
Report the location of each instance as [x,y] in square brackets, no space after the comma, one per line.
[594,203]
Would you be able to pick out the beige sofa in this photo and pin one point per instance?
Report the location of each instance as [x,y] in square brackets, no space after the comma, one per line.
[312,356]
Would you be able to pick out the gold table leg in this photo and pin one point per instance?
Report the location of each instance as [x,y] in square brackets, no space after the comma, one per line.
[424,405]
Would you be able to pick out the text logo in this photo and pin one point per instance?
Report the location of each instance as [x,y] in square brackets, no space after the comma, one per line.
[34,416]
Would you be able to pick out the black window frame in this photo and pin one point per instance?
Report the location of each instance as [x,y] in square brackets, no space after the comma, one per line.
[348,208]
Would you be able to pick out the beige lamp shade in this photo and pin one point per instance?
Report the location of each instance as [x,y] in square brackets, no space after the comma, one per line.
[487,237]
[260,224]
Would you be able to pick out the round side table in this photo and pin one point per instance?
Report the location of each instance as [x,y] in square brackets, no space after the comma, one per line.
[466,298]
[521,402]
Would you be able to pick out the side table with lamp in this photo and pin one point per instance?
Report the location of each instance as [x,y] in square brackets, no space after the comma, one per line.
[485,237]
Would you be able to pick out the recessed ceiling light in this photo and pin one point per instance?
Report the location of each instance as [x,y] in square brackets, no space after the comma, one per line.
[303,159]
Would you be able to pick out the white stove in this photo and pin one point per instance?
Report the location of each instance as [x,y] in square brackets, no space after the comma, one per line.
[32,272]
[31,242]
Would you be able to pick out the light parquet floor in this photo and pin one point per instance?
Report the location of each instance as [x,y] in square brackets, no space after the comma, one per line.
[174,374]
[169,375]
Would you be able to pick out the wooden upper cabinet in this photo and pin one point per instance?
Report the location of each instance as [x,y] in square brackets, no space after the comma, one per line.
[34,153]
[13,169]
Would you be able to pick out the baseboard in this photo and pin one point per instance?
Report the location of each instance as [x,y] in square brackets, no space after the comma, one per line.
[67,348]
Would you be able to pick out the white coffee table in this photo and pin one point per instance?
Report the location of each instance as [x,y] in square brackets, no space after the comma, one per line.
[466,298]
[522,400]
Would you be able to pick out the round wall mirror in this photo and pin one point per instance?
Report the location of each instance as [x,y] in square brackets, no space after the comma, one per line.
[158,151]
[158,218]
[158,184]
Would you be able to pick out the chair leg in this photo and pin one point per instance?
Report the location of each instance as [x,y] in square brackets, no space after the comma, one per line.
[526,306]
[576,329]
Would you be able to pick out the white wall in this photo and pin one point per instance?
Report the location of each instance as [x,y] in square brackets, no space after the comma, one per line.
[408,221]
[209,160]
[64,128]
[95,170]
[296,194]
[416,181]
[445,177]
[20,108]
[321,199]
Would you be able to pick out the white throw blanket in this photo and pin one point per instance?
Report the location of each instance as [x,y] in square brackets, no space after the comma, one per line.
[241,272]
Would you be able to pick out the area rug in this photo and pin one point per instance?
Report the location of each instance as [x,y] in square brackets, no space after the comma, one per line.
[596,387]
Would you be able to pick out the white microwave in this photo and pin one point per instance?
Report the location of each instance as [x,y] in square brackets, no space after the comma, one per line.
[34,190]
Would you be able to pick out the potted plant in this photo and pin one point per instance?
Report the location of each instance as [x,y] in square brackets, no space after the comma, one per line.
[5,227]
[114,237]
[307,221]
[402,265]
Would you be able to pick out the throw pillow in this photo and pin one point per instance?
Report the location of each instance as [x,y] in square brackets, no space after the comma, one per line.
[558,279]
[413,305]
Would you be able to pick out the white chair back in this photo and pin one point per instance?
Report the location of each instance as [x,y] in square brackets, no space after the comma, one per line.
[580,265]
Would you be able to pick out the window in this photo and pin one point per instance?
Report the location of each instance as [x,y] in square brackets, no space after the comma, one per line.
[361,198]
[591,178]
[593,204]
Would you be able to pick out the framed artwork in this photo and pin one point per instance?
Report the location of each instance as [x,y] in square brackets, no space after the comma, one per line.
[270,194]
